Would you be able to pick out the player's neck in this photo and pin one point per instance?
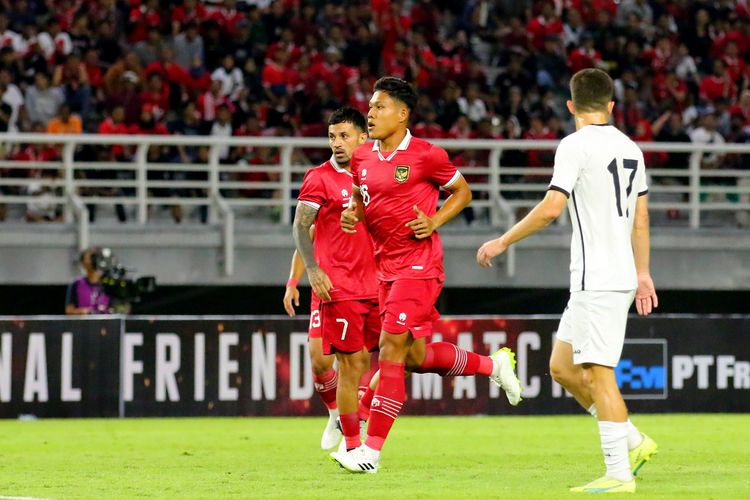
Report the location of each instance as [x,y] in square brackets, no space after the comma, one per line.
[584,119]
[391,142]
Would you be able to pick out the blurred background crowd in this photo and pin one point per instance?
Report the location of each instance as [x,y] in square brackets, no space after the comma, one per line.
[484,69]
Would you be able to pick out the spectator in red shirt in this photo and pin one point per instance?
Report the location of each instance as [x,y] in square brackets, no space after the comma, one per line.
[228,17]
[338,76]
[589,9]
[585,56]
[539,132]
[719,84]
[461,129]
[273,76]
[114,124]
[398,61]
[156,94]
[629,114]
[428,128]
[209,102]
[425,61]
[644,133]
[736,66]
[148,123]
[670,91]
[142,18]
[545,25]
[190,11]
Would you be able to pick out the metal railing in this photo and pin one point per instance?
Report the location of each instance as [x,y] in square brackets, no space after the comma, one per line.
[266,187]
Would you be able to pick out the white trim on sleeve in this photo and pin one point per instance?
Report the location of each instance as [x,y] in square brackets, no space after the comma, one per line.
[310,204]
[453,180]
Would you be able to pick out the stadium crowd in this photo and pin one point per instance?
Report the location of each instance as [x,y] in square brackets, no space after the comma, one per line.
[484,69]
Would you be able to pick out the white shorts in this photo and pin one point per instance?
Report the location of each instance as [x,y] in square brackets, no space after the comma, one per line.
[594,325]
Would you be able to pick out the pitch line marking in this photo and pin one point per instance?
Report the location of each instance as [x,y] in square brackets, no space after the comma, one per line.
[5,497]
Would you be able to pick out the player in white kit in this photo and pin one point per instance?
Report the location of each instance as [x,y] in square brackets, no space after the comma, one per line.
[600,175]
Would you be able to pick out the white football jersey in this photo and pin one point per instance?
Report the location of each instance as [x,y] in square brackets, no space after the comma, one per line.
[602,172]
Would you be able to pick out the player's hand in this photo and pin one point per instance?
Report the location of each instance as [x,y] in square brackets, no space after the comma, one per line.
[645,296]
[489,251]
[291,299]
[349,218]
[320,282]
[422,226]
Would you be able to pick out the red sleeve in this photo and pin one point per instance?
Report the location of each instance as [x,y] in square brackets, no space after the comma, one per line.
[442,171]
[313,192]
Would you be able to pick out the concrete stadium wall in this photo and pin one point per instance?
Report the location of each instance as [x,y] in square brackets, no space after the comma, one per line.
[709,259]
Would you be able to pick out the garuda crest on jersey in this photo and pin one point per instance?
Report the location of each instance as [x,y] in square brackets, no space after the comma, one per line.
[401,174]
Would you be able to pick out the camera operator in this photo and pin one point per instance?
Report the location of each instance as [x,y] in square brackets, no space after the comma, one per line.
[86,294]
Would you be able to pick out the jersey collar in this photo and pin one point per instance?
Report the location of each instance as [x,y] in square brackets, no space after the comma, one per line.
[401,147]
[338,167]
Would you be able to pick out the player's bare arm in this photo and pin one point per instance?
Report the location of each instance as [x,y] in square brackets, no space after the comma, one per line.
[297,269]
[645,295]
[541,216]
[423,226]
[303,220]
[291,293]
[353,213]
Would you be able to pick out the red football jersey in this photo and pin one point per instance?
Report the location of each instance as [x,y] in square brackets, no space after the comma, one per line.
[391,185]
[346,258]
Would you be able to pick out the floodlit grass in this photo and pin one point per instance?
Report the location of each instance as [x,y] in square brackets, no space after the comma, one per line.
[701,456]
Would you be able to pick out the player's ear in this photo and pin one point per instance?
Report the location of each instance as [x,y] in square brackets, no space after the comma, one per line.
[610,107]
[363,138]
[570,106]
[403,114]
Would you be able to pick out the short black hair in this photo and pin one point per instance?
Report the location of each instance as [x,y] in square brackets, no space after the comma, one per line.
[347,114]
[398,89]
[591,90]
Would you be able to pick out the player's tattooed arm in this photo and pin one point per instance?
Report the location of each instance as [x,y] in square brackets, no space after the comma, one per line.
[303,219]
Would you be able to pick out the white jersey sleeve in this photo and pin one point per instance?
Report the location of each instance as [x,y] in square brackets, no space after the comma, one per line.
[641,184]
[567,169]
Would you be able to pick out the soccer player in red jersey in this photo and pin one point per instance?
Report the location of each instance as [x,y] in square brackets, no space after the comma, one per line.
[341,269]
[395,192]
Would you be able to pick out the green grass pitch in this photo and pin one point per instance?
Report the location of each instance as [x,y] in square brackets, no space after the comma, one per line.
[701,456]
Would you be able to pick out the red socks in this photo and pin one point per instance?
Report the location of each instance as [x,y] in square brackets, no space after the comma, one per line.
[445,358]
[350,429]
[325,385]
[364,403]
[364,381]
[387,403]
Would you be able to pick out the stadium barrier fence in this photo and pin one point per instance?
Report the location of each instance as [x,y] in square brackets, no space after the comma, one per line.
[143,366]
[233,191]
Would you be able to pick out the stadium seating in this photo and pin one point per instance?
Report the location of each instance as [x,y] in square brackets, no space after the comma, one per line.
[485,70]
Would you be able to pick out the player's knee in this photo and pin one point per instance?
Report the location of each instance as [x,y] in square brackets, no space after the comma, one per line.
[559,372]
[589,378]
[320,364]
[351,363]
[392,349]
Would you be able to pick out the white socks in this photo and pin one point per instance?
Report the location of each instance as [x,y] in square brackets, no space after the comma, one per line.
[614,439]
[635,438]
[333,413]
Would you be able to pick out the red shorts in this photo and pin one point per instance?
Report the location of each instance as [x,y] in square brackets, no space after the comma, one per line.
[350,325]
[314,331]
[409,305]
